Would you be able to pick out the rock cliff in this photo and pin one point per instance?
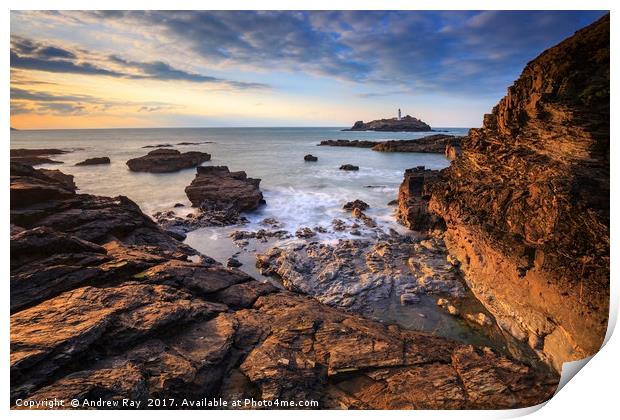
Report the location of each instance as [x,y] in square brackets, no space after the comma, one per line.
[106,305]
[526,201]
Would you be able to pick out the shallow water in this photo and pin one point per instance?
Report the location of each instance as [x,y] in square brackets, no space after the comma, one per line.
[297,193]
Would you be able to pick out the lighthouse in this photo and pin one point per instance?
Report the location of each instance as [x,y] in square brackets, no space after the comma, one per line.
[399,114]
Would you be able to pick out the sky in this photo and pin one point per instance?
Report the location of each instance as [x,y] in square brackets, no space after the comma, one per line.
[100,69]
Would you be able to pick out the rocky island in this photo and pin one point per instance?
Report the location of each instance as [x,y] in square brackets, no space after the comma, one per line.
[406,123]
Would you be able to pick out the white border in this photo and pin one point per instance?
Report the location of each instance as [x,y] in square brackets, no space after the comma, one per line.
[591,395]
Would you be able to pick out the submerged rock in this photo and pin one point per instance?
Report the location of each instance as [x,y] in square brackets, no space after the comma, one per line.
[365,144]
[349,167]
[94,161]
[233,262]
[35,156]
[356,204]
[167,160]
[310,158]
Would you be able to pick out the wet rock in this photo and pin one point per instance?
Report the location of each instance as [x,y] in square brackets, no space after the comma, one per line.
[359,214]
[167,160]
[409,298]
[356,204]
[272,222]
[305,232]
[35,156]
[445,304]
[94,161]
[366,144]
[436,143]
[413,198]
[392,203]
[338,225]
[349,167]
[310,158]
[358,273]
[261,235]
[480,318]
[216,188]
[192,143]
[233,262]
[64,179]
[157,146]
[171,221]
[177,205]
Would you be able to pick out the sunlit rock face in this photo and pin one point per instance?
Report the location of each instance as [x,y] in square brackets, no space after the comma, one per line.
[526,203]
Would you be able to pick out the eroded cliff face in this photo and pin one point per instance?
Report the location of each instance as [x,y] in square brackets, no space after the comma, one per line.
[526,203]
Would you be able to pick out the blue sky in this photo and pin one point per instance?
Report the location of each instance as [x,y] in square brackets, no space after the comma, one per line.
[247,68]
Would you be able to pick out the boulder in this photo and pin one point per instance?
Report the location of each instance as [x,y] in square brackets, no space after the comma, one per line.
[216,188]
[310,158]
[356,204]
[349,167]
[167,160]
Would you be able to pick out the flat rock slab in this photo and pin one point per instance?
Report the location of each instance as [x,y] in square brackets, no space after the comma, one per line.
[167,160]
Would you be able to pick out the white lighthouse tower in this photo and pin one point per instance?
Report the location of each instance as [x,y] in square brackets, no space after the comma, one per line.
[399,114]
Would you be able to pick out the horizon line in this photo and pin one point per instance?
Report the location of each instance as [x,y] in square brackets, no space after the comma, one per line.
[262,126]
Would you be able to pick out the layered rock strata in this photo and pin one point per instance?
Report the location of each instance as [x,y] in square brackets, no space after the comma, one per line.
[413,198]
[107,305]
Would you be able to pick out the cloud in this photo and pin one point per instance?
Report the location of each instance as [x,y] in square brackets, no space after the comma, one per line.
[27,54]
[451,51]
[41,102]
